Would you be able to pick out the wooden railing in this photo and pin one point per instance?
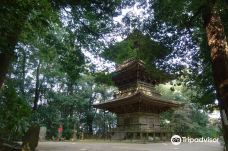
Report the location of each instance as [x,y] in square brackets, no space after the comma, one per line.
[141,87]
[137,127]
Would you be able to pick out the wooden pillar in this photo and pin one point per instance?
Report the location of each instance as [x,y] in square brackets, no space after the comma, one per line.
[134,135]
[131,136]
[141,135]
[154,136]
[82,136]
[153,132]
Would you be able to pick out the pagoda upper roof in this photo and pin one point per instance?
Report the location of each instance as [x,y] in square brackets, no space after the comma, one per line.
[134,66]
[129,64]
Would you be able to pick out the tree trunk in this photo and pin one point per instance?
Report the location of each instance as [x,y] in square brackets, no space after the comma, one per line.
[217,43]
[37,89]
[23,73]
[12,18]
[70,87]
[5,60]
[90,126]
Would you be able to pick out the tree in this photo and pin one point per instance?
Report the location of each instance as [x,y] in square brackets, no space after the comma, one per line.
[218,47]
[52,34]
[36,29]
[189,120]
[74,110]
[89,16]
[15,113]
[14,15]
[202,17]
[139,46]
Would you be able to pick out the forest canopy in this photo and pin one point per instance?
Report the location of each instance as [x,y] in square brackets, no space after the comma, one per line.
[48,78]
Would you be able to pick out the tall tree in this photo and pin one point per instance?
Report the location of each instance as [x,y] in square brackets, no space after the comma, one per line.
[218,47]
[90,17]
[202,16]
[13,16]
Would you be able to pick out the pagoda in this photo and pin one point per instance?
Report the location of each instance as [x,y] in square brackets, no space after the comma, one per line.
[137,104]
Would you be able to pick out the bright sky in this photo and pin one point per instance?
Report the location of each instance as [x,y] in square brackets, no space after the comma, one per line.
[102,64]
[214,115]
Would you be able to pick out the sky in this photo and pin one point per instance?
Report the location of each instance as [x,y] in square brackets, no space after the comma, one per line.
[102,64]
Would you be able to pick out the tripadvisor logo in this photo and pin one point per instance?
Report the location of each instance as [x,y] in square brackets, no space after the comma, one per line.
[176,140]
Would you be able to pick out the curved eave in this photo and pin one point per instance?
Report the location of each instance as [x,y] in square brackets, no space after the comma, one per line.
[138,97]
[135,65]
[129,65]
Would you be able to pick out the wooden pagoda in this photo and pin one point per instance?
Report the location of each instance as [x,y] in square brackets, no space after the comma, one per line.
[136,104]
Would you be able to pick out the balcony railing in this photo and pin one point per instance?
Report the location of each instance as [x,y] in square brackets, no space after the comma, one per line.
[137,127]
[141,87]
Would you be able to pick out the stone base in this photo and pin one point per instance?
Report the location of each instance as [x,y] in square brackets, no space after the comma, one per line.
[145,136]
[118,136]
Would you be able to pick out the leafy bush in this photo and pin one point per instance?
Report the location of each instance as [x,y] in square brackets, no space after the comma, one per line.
[14,113]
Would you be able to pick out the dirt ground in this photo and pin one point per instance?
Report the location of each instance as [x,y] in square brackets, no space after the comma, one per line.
[118,146]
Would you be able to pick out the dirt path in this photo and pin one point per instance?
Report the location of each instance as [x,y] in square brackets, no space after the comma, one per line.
[100,146]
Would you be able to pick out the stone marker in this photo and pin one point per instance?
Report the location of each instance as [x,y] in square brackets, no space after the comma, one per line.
[42,135]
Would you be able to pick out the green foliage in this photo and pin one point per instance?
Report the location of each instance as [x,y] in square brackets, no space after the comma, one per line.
[48,115]
[49,37]
[103,78]
[179,26]
[74,110]
[104,121]
[174,90]
[71,62]
[189,120]
[203,83]
[53,34]
[137,46]
[14,113]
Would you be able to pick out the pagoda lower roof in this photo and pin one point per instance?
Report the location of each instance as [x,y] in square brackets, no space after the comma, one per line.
[137,98]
